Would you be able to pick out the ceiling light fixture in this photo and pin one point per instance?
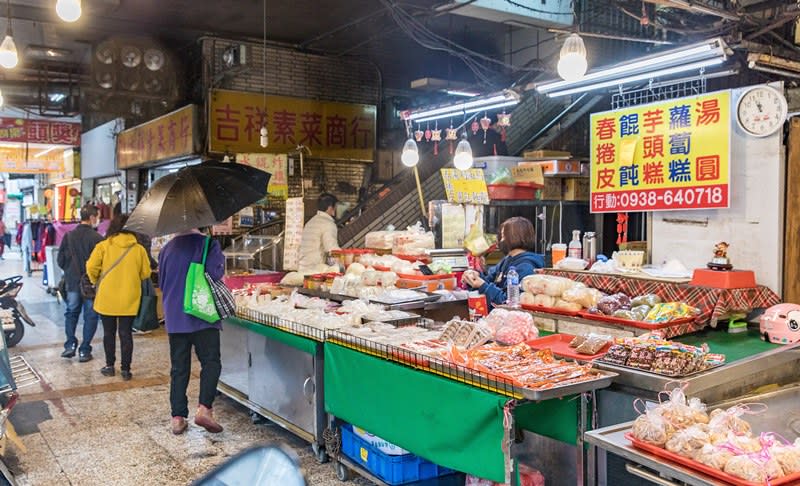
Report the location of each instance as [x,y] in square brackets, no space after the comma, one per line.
[639,77]
[410,155]
[462,159]
[69,10]
[713,49]
[572,62]
[484,103]
[772,64]
[460,92]
[8,50]
[45,152]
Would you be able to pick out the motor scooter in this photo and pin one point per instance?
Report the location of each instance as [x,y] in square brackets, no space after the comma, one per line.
[13,315]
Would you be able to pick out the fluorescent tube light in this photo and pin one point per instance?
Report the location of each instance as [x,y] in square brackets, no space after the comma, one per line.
[683,55]
[506,98]
[458,92]
[45,152]
[639,77]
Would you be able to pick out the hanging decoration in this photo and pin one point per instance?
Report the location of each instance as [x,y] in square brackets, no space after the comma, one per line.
[486,122]
[428,132]
[503,121]
[436,137]
[451,135]
[418,134]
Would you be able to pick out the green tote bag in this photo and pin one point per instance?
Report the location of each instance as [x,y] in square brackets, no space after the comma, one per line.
[198,300]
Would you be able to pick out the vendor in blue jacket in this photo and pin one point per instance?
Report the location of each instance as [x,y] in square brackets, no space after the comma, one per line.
[516,240]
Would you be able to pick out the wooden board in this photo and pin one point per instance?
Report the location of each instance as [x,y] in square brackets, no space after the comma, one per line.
[791,257]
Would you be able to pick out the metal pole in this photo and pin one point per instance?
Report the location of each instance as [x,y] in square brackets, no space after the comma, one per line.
[419,193]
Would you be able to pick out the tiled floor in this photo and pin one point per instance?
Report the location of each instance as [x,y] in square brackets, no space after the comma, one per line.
[81,428]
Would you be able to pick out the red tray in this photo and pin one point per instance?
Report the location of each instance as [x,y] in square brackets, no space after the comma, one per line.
[559,344]
[550,310]
[636,324]
[715,473]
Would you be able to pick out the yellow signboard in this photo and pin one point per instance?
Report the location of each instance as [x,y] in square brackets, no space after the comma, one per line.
[328,129]
[274,164]
[168,137]
[465,186]
[19,160]
[670,155]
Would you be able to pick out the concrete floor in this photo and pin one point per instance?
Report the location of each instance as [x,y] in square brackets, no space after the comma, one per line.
[81,428]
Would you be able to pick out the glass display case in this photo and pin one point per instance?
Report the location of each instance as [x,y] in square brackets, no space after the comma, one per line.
[249,254]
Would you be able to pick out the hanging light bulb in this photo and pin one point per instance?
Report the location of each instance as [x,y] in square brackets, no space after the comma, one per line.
[226,159]
[463,156]
[264,140]
[410,155]
[8,53]
[69,10]
[572,62]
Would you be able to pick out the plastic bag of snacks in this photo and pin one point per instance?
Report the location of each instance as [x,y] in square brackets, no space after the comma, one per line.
[584,296]
[651,427]
[517,328]
[669,312]
[689,441]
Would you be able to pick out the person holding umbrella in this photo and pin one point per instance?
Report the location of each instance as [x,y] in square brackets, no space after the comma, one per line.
[181,203]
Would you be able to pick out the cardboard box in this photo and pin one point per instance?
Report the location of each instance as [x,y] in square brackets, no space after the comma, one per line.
[561,167]
[529,173]
[552,190]
[576,189]
[634,246]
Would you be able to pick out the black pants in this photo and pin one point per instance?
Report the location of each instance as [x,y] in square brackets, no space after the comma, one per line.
[123,324]
[206,347]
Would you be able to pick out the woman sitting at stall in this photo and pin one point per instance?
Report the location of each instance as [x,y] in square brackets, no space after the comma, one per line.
[516,240]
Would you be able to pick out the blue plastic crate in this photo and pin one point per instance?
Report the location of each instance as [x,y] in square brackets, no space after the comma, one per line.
[391,469]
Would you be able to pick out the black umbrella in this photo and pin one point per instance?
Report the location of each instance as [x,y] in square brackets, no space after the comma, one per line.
[197,196]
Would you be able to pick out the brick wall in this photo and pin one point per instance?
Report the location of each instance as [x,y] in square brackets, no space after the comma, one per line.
[293,73]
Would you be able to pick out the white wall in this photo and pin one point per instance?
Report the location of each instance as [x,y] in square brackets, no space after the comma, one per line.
[753,225]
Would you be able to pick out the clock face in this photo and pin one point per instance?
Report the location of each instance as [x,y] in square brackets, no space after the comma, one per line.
[761,111]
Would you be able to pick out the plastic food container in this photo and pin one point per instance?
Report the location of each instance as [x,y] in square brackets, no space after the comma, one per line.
[429,283]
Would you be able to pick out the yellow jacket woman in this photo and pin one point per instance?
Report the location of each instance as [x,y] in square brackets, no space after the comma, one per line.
[120,290]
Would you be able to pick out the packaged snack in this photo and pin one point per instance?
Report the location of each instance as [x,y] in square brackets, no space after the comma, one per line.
[674,361]
[642,356]
[722,422]
[577,340]
[681,413]
[568,306]
[586,297]
[547,284]
[688,442]
[527,298]
[624,314]
[517,327]
[648,299]
[612,303]
[640,312]
[713,456]
[669,311]
[788,456]
[544,300]
[618,354]
[651,427]
[593,344]
[754,468]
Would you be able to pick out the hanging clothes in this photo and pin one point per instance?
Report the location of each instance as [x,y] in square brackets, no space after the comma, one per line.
[26,243]
[47,238]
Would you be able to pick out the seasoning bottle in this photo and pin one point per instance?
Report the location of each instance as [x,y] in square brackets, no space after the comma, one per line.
[575,249]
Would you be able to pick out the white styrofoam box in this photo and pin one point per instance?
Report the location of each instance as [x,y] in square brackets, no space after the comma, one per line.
[382,445]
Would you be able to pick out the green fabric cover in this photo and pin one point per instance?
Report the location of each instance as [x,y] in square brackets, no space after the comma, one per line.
[734,346]
[557,419]
[446,422]
[298,342]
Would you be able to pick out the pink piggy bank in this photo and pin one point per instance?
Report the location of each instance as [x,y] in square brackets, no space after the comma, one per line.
[780,324]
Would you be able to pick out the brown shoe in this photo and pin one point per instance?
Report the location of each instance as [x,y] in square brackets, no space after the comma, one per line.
[179,425]
[205,418]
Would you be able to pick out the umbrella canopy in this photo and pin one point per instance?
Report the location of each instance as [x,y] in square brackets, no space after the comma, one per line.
[197,196]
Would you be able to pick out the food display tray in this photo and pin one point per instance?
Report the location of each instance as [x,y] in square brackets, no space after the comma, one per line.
[550,310]
[559,345]
[600,362]
[637,324]
[715,473]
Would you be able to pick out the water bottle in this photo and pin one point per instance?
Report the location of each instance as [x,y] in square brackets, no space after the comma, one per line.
[512,287]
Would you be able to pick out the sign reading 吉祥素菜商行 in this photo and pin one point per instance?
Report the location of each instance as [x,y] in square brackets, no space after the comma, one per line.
[670,155]
[329,129]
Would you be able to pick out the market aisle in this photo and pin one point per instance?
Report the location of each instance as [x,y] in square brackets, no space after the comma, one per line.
[79,427]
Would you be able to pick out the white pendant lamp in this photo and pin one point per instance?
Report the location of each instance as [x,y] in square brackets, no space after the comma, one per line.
[462,159]
[69,10]
[572,62]
[8,49]
[410,155]
[264,139]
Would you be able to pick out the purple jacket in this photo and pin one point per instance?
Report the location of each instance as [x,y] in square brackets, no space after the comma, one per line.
[173,264]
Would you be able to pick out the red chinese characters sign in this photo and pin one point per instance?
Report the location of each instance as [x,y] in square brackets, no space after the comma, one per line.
[329,129]
[167,137]
[50,132]
[670,155]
